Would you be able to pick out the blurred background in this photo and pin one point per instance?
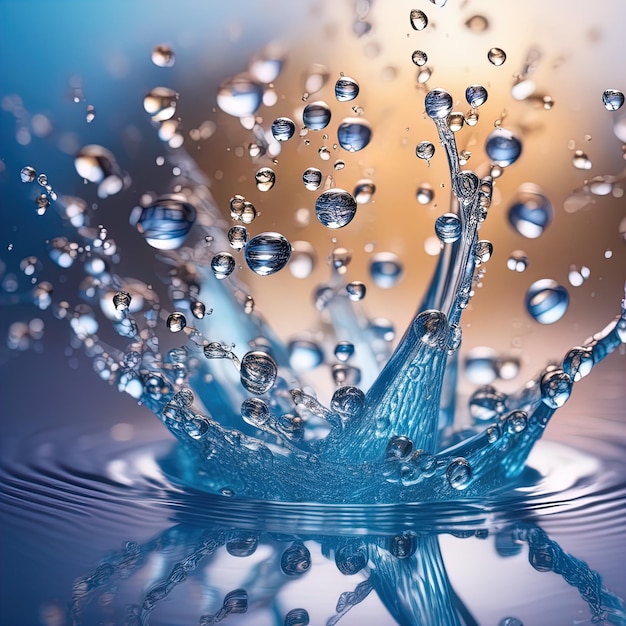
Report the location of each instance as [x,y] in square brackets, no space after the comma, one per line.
[59,58]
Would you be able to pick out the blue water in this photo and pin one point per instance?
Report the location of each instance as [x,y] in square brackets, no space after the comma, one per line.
[264,473]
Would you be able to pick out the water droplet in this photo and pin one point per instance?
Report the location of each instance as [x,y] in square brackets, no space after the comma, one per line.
[476,95]
[267,253]
[364,190]
[459,474]
[547,301]
[399,448]
[404,545]
[503,147]
[283,129]
[265,179]
[240,96]
[346,89]
[335,208]
[424,74]
[516,422]
[484,250]
[496,56]
[510,621]
[531,212]
[556,388]
[340,258]
[238,237]
[121,300]
[343,351]
[255,412]
[439,3]
[304,354]
[578,362]
[418,19]
[581,161]
[486,403]
[425,150]
[471,117]
[353,134]
[316,78]
[267,65]
[295,560]
[316,115]
[223,264]
[163,56]
[438,104]
[42,203]
[96,164]
[455,122]
[243,545]
[312,178]
[425,194]
[612,99]
[351,558]
[448,227]
[419,58]
[577,276]
[198,309]
[302,260]
[385,269]
[324,153]
[477,23]
[356,290]
[27,174]
[297,617]
[160,103]
[517,261]
[258,372]
[176,322]
[348,401]
[166,223]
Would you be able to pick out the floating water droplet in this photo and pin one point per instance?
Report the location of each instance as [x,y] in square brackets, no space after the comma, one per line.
[176,322]
[28,174]
[312,178]
[335,208]
[424,74]
[198,309]
[42,203]
[223,264]
[425,150]
[267,65]
[324,153]
[303,259]
[439,3]
[547,301]
[346,89]
[448,227]
[418,19]
[481,365]
[340,258]
[316,115]
[503,147]
[317,77]
[455,122]
[121,300]
[356,290]
[304,354]
[364,190]
[295,560]
[386,269]
[237,237]
[477,23]
[267,253]
[258,372]
[297,617]
[42,295]
[240,96]
[166,223]
[496,56]
[419,57]
[265,179]
[612,99]
[348,401]
[476,95]
[255,412]
[283,128]
[577,276]
[343,351]
[160,103]
[163,56]
[517,261]
[425,194]
[90,115]
[346,374]
[95,164]
[353,134]
[459,474]
[438,104]
[531,212]
[581,161]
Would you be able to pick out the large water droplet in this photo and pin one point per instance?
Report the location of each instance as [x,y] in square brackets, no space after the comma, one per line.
[316,115]
[346,89]
[503,147]
[164,224]
[612,99]
[95,164]
[160,103]
[418,19]
[448,227]
[348,401]
[547,301]
[255,412]
[438,103]
[556,388]
[258,372]
[335,208]
[353,134]
[121,300]
[243,545]
[240,96]
[267,253]
[578,362]
[386,269]
[283,129]
[531,212]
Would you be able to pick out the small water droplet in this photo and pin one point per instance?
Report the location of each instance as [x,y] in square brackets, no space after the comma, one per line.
[386,269]
[459,474]
[477,23]
[418,19]
[240,96]
[438,104]
[517,261]
[346,89]
[343,351]
[503,147]
[316,115]
[297,617]
[28,174]
[356,290]
[90,115]
[317,76]
[176,322]
[223,264]
[476,95]
[364,191]
[283,128]
[243,545]
[612,99]
[425,194]
[486,403]
[335,208]
[484,250]
[237,237]
[304,354]
[425,150]
[265,179]
[556,388]
[295,560]
[121,300]
[577,276]
[160,103]
[510,621]
[581,161]
[198,309]
[348,401]
[419,57]
[163,55]
[42,203]
[516,422]
[531,212]
[496,56]
[267,253]
[547,301]
[312,178]
[448,227]
[456,121]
